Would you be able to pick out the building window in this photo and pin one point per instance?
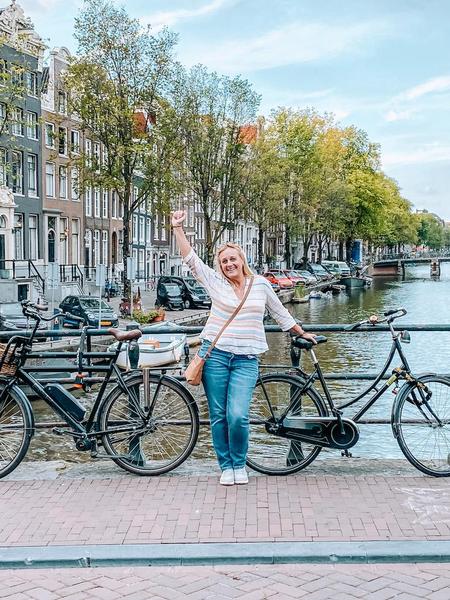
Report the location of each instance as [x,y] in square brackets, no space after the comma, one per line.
[62,182]
[3,119]
[121,209]
[49,135]
[2,166]
[62,103]
[32,83]
[96,155]
[32,174]
[75,141]
[33,236]
[156,227]
[147,231]
[163,228]
[75,240]
[114,205]
[18,237]
[74,192]
[88,152]
[141,230]
[50,180]
[105,247]
[17,121]
[32,126]
[17,172]
[96,202]
[135,229]
[105,204]
[62,141]
[88,198]
[96,257]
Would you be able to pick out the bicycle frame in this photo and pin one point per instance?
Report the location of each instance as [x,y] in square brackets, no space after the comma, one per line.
[79,429]
[317,374]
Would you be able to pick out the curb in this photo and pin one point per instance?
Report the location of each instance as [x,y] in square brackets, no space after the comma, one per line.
[405,551]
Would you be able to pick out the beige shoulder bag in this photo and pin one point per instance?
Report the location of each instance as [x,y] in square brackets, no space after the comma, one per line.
[194,370]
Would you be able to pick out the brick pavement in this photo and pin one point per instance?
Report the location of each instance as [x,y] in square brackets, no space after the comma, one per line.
[314,582]
[189,509]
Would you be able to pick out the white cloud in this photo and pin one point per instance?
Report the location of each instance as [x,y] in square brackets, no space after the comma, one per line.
[295,43]
[428,95]
[169,18]
[428,153]
[437,84]
[399,115]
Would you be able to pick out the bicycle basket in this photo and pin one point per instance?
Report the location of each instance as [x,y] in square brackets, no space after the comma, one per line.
[9,362]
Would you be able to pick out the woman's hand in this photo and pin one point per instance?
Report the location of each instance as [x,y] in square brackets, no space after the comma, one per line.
[297,330]
[178,216]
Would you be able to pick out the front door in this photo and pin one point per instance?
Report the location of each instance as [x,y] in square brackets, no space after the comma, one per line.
[2,251]
[51,246]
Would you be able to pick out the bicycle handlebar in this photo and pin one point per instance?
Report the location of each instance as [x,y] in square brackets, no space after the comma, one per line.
[390,315]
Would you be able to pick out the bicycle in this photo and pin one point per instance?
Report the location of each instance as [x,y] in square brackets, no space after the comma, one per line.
[147,423]
[300,422]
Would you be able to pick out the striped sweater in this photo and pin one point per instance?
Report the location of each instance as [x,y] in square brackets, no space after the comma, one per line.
[245,334]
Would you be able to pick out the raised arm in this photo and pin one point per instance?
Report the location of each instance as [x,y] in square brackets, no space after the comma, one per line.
[178,217]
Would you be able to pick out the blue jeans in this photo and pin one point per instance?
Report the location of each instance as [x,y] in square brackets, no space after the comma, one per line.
[229,380]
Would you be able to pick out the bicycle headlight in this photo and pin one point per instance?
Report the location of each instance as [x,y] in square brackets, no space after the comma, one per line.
[91,316]
[114,316]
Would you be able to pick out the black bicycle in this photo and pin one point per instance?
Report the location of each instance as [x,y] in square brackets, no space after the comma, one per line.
[300,422]
[147,423]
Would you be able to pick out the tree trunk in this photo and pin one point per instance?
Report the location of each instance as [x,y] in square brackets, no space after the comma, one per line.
[287,247]
[260,248]
[126,244]
[341,250]
[348,249]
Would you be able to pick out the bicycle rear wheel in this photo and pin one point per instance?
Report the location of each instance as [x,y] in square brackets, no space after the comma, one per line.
[149,437]
[16,429]
[421,424]
[271,454]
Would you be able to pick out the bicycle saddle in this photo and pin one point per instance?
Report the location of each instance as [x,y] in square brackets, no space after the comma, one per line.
[125,336]
[303,344]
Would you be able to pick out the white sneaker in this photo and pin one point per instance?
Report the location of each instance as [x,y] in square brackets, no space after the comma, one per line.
[227,477]
[240,476]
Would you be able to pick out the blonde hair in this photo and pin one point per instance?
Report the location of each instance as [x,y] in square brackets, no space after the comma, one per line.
[245,268]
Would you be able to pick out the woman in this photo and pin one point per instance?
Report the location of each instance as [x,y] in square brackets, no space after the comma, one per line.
[231,370]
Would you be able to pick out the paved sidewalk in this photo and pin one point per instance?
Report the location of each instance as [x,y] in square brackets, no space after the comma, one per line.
[336,502]
[281,582]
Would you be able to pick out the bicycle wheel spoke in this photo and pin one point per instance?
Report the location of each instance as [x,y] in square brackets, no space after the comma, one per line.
[165,432]
[272,454]
[14,434]
[423,424]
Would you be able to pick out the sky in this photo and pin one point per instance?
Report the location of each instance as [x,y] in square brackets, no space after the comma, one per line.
[381,65]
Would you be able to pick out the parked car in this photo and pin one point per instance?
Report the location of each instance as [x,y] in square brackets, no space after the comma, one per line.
[295,276]
[310,278]
[12,319]
[320,272]
[169,295]
[88,308]
[337,267]
[194,295]
[280,278]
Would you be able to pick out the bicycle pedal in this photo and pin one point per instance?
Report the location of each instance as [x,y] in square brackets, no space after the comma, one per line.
[59,431]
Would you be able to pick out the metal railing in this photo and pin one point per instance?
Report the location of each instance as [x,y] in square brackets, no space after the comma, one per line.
[90,355]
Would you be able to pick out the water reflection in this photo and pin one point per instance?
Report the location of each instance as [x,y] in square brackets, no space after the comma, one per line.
[425,300]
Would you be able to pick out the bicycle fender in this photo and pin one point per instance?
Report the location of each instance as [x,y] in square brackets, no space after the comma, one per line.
[20,395]
[406,387]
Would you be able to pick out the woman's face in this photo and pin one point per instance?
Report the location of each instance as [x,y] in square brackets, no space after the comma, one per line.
[231,263]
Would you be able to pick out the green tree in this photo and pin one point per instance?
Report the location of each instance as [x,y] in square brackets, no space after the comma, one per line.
[214,113]
[116,84]
[431,232]
[264,190]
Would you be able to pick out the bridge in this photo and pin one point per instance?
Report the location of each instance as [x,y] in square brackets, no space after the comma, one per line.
[396,265]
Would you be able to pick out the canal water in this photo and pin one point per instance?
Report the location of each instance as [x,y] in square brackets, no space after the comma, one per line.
[426,300]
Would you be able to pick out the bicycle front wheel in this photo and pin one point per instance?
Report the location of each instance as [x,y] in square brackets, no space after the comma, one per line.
[421,424]
[271,454]
[153,435]
[16,429]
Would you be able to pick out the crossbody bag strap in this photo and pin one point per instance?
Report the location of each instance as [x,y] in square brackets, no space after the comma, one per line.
[236,310]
